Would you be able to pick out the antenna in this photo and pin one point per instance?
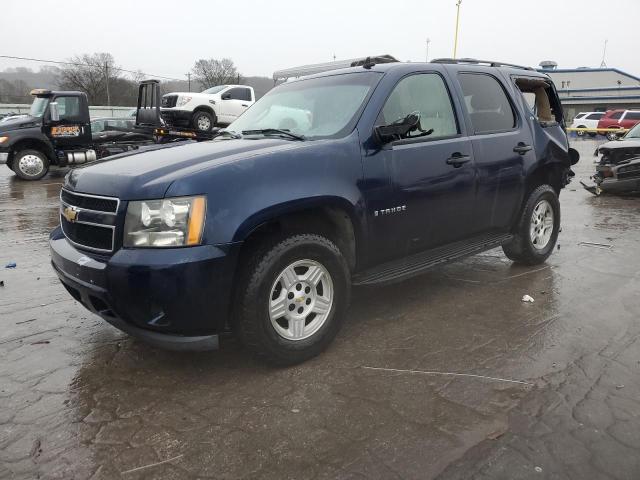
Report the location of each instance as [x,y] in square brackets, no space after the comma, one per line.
[428,42]
[603,64]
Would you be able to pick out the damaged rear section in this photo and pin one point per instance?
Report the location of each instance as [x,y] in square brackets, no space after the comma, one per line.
[548,130]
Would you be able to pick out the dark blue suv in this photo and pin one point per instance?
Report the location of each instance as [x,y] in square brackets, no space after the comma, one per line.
[362,176]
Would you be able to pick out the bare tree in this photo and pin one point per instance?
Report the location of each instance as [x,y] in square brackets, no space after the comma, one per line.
[90,73]
[212,72]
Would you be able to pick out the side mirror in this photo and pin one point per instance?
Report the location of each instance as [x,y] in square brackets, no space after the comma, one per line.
[226,96]
[400,129]
[54,113]
[574,156]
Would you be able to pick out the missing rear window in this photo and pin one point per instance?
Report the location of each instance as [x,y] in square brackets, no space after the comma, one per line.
[541,99]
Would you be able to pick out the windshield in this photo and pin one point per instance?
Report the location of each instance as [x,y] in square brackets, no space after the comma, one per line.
[38,106]
[634,132]
[214,89]
[315,108]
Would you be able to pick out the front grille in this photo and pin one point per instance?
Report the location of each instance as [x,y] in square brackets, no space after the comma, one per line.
[169,101]
[88,221]
[90,236]
[99,204]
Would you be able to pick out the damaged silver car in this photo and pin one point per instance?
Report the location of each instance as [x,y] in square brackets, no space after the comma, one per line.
[618,170]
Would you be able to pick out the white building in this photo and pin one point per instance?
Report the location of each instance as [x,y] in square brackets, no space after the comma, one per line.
[593,89]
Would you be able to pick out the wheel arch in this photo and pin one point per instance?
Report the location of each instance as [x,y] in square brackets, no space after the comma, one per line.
[31,144]
[205,108]
[334,217]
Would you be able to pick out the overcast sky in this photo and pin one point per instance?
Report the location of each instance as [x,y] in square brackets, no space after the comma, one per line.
[165,37]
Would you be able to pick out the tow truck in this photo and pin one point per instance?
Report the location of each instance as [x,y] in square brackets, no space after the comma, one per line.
[57,131]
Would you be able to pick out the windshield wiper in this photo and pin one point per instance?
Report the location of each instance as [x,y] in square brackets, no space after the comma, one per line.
[277,131]
[229,133]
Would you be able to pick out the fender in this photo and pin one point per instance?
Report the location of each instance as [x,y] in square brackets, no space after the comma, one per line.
[34,135]
[355,214]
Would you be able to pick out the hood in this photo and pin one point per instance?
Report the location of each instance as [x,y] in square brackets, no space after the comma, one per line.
[22,122]
[148,174]
[619,150]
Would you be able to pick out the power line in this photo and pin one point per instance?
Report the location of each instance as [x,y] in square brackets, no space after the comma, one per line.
[57,62]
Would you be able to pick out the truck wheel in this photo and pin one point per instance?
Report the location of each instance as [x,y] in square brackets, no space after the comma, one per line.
[30,164]
[203,121]
[537,229]
[292,297]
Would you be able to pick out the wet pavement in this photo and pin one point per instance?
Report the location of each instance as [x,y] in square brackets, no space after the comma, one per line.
[548,389]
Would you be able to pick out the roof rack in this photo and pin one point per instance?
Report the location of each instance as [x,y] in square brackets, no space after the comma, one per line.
[305,70]
[474,61]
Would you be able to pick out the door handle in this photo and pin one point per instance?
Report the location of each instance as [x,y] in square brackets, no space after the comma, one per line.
[245,105]
[521,148]
[457,159]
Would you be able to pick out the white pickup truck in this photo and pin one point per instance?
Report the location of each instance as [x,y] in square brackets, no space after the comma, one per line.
[202,111]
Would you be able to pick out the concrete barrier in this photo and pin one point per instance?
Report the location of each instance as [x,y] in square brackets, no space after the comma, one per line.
[94,112]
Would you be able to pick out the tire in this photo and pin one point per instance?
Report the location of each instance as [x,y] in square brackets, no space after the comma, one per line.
[30,164]
[580,133]
[611,136]
[275,280]
[203,121]
[528,246]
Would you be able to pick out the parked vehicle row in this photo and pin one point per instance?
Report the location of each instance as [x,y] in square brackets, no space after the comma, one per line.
[600,122]
[366,175]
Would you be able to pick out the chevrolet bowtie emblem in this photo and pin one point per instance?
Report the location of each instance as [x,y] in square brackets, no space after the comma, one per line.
[70,213]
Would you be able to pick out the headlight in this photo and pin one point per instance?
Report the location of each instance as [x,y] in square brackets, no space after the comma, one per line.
[169,222]
[182,101]
[3,139]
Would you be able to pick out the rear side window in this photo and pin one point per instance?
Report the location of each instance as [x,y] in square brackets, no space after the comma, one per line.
[632,116]
[425,93]
[595,116]
[240,94]
[487,103]
[541,100]
[615,115]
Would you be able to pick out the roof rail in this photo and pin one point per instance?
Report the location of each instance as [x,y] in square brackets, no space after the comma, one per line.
[474,61]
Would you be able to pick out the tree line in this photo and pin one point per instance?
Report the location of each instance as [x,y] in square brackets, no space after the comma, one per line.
[106,83]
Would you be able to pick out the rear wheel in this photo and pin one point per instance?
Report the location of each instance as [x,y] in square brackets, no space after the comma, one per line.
[580,133]
[537,230]
[203,121]
[30,164]
[292,298]
[612,136]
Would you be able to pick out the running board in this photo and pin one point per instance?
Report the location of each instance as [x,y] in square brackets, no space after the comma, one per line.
[406,267]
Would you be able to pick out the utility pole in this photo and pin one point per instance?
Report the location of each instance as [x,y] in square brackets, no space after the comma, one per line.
[189,79]
[455,40]
[106,77]
[428,42]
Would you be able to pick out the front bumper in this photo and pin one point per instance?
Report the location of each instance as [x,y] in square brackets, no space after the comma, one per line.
[4,157]
[176,117]
[177,298]
[615,185]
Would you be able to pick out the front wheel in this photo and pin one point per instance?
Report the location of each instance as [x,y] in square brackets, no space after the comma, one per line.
[580,133]
[30,164]
[537,229]
[203,121]
[292,298]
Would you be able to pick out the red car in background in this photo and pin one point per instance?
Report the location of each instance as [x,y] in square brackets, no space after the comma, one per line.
[619,119]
